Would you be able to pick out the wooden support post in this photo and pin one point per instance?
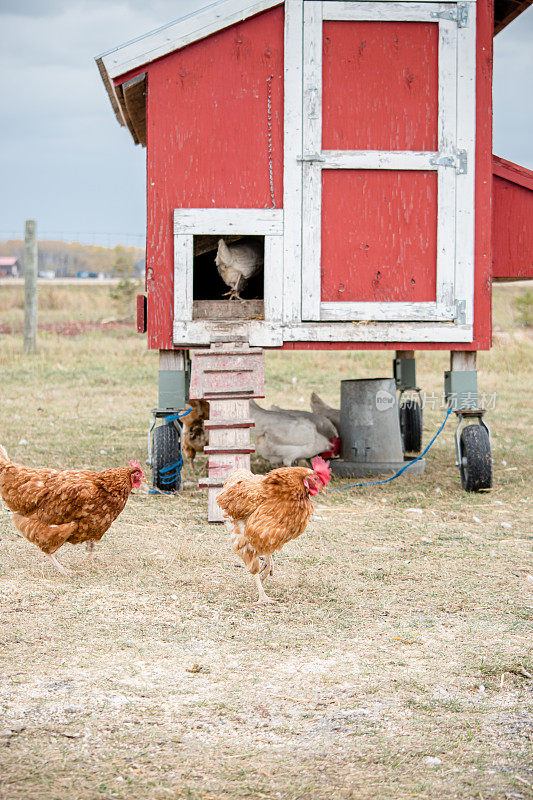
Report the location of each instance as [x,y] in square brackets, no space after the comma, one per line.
[463,360]
[405,353]
[30,286]
[173,359]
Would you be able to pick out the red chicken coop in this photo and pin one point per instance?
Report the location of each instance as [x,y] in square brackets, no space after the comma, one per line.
[343,152]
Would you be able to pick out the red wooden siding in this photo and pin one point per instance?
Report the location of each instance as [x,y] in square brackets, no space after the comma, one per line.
[379,227]
[380,86]
[207,147]
[208,140]
[379,235]
[512,221]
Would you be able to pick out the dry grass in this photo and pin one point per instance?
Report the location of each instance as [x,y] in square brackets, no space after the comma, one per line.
[67,301]
[403,630]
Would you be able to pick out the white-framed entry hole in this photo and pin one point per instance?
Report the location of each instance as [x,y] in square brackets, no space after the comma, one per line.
[197,232]
[211,292]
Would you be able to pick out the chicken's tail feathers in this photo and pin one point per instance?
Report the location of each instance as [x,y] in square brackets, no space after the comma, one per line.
[223,253]
[317,404]
[3,454]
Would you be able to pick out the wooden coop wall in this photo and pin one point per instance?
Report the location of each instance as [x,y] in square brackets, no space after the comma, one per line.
[512,221]
[207,147]
[207,140]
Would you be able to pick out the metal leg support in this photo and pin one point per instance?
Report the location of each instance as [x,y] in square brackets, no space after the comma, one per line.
[472,441]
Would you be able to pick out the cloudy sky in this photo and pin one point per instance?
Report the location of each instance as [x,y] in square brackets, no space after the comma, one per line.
[66,162]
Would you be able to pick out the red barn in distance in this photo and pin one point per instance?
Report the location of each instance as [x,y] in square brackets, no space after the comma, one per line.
[9,266]
[352,143]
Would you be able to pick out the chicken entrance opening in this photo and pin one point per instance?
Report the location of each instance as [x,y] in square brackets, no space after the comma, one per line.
[228,277]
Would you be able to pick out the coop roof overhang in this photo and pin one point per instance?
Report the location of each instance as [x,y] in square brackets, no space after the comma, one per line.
[128,97]
[507,10]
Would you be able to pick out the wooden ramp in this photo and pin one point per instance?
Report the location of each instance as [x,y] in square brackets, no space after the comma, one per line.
[227,376]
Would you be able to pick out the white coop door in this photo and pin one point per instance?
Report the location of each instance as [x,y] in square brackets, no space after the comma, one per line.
[388,161]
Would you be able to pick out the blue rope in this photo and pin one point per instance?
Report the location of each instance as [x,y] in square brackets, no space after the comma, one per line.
[171,473]
[172,417]
[400,471]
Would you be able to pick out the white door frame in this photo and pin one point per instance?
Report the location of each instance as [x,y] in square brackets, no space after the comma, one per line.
[304,161]
[267,222]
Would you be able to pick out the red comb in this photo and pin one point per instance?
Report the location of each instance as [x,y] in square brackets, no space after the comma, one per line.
[334,450]
[137,465]
[322,469]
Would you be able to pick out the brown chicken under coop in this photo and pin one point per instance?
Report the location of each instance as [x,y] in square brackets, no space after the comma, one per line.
[195,436]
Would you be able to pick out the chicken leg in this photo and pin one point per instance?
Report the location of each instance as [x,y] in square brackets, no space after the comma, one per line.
[234,292]
[57,564]
[268,568]
[263,597]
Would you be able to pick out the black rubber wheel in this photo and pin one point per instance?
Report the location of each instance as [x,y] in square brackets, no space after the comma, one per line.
[411,426]
[476,459]
[166,452]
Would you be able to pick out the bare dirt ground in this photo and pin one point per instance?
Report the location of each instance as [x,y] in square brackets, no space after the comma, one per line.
[397,664]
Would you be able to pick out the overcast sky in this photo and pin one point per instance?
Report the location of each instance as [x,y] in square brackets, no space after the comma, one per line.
[64,159]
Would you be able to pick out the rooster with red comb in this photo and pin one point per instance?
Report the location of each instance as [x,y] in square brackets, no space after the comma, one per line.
[263,512]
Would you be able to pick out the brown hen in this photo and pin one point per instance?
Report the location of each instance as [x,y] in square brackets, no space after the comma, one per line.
[56,506]
[263,512]
[195,436]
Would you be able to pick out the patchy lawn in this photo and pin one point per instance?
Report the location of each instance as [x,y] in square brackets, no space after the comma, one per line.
[397,665]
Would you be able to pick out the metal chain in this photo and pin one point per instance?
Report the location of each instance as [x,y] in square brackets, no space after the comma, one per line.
[269,131]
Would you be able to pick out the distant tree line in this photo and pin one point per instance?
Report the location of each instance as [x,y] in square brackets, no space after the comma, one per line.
[67,259]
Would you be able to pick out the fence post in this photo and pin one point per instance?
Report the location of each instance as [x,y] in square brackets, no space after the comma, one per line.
[30,286]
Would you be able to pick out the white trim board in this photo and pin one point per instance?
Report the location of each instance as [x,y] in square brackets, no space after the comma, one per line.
[267,222]
[292,167]
[456,59]
[245,221]
[377,312]
[264,334]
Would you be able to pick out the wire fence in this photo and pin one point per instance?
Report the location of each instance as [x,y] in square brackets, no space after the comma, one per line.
[96,239]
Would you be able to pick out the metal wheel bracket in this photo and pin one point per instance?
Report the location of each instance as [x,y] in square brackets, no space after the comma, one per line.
[460,390]
[404,372]
[173,389]
[463,416]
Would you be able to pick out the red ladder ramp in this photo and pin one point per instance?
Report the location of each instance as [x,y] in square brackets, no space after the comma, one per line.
[228,376]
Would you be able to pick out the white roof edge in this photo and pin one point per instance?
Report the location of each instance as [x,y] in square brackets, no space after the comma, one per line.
[178,34]
[157,30]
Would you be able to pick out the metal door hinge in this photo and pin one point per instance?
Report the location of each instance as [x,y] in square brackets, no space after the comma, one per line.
[459,160]
[460,307]
[458,14]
